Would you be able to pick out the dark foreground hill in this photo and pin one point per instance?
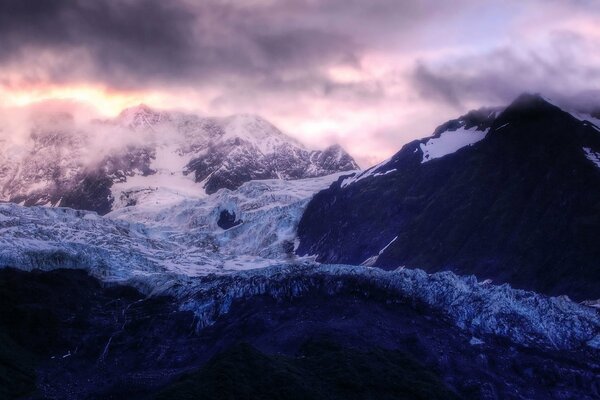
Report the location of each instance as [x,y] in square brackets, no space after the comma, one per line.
[66,335]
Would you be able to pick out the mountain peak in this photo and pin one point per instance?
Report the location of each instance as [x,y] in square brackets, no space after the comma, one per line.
[142,115]
[185,154]
[141,108]
[527,180]
[532,102]
[257,131]
[532,118]
[480,119]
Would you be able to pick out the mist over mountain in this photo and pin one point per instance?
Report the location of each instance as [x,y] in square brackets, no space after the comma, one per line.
[97,165]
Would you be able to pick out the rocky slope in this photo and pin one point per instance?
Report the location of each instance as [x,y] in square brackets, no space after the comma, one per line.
[510,195]
[97,166]
[397,334]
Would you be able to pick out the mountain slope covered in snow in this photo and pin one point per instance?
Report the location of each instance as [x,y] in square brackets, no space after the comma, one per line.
[105,165]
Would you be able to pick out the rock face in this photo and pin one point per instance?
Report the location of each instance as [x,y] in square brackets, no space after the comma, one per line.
[248,148]
[511,195]
[97,166]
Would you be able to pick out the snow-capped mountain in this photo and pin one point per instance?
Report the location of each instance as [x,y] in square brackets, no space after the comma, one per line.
[104,165]
[507,194]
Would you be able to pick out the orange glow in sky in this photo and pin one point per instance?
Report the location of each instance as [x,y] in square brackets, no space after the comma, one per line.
[108,102]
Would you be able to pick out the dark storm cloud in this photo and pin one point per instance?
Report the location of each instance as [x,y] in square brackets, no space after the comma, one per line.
[129,42]
[264,44]
[141,43]
[353,69]
[560,70]
[143,36]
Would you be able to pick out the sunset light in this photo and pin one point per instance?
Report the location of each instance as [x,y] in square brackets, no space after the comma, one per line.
[299,199]
[107,102]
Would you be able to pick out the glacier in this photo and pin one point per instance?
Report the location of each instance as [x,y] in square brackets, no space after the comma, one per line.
[169,243]
[179,250]
[160,235]
[479,308]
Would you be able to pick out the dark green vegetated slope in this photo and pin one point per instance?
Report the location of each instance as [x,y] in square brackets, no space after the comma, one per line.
[321,371]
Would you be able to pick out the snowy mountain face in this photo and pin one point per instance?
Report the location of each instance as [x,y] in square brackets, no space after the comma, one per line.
[447,139]
[510,195]
[104,165]
[249,148]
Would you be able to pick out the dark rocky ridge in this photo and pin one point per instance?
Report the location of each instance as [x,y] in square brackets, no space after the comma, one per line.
[520,206]
[87,340]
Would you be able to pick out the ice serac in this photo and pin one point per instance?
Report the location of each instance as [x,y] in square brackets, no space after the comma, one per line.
[110,337]
[508,194]
[479,308]
[162,235]
[197,266]
[105,165]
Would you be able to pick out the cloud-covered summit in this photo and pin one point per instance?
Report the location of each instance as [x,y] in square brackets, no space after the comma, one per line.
[371,74]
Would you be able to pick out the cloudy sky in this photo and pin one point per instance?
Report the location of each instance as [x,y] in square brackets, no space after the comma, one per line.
[370,74]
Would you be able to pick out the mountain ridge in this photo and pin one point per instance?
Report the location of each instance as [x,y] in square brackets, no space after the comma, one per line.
[517,204]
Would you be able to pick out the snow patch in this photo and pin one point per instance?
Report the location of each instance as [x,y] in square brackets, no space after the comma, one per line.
[449,142]
[593,156]
[587,119]
[595,342]
[369,262]
[360,175]
[168,185]
[388,245]
[583,117]
[476,342]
